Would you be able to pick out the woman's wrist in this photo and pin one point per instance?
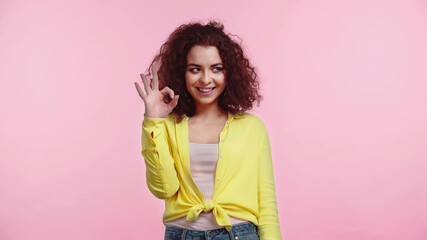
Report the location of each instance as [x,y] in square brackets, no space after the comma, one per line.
[150,115]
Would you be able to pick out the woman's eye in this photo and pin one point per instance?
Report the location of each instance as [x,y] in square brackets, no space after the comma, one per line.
[217,69]
[194,69]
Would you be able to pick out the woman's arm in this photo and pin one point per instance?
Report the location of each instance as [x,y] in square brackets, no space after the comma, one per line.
[160,169]
[268,228]
[161,176]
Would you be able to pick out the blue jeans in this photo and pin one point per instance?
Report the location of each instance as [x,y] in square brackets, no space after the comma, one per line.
[242,231]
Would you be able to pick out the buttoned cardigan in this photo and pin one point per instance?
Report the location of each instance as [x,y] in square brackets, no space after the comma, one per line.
[244,181]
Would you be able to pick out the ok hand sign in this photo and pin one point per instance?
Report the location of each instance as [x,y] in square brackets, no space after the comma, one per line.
[155,107]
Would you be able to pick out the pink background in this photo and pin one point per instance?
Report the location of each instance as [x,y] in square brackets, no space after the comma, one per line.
[344,84]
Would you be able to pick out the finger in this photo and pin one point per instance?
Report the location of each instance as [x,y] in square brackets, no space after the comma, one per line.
[145,82]
[168,91]
[174,101]
[140,92]
[155,79]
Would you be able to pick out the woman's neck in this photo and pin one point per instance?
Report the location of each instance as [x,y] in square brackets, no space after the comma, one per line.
[211,111]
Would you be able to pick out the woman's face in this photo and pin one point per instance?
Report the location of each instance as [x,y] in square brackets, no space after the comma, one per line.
[204,75]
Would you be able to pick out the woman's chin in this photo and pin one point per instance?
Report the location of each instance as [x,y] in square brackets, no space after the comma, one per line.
[206,102]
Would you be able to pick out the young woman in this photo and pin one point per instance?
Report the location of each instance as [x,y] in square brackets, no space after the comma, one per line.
[205,156]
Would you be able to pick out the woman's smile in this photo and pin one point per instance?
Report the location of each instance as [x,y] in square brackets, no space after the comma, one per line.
[206,91]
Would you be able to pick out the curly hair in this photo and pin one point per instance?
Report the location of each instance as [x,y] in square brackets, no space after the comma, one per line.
[242,88]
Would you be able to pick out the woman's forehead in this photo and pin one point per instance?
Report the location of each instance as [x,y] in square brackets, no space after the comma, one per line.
[202,55]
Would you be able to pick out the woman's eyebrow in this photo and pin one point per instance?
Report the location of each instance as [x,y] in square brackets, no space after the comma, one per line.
[197,65]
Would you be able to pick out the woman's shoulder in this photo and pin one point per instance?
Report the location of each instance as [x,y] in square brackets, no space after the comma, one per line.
[175,120]
[249,119]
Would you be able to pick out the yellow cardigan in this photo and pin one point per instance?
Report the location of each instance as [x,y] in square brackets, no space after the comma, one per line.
[244,181]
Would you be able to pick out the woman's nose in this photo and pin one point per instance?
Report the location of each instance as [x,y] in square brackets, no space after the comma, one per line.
[206,78]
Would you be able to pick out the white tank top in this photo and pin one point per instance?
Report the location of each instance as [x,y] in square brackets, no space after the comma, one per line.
[203,160]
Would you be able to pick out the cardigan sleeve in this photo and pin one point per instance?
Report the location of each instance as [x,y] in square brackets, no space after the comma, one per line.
[161,175]
[268,221]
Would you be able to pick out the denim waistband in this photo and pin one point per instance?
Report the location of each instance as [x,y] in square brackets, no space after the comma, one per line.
[240,229]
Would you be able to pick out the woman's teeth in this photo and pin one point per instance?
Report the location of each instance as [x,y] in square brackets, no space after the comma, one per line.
[205,89]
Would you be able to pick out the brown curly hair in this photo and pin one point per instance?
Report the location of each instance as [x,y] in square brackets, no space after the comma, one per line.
[242,86]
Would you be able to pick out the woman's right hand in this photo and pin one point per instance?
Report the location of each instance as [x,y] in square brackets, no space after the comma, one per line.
[155,107]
